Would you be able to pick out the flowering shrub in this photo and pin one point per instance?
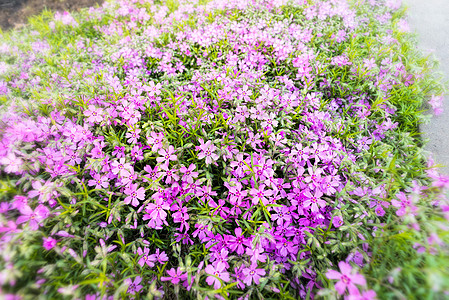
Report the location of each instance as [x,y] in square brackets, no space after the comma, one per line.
[228,149]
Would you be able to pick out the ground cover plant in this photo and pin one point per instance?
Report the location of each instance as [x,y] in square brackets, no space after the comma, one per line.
[219,149]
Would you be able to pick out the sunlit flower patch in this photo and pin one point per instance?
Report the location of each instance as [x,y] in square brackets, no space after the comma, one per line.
[219,149]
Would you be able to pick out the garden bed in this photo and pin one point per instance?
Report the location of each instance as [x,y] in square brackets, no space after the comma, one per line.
[220,149]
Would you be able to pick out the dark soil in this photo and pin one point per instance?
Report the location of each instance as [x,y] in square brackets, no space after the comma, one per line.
[15,13]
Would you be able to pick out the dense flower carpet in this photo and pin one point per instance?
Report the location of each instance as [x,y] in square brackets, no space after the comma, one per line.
[263,149]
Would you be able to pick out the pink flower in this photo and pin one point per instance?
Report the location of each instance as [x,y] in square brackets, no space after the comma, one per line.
[49,243]
[153,173]
[94,114]
[99,181]
[120,166]
[156,214]
[189,174]
[133,136]
[239,165]
[252,274]
[166,155]
[241,113]
[314,200]
[405,204]
[132,115]
[175,276]
[347,279]
[337,221]
[207,151]
[244,93]
[254,140]
[218,272]
[134,194]
[153,89]
[146,259]
[260,194]
[161,257]
[205,193]
[155,139]
[128,177]
[34,217]
[236,243]
[12,163]
[170,174]
[236,195]
[135,286]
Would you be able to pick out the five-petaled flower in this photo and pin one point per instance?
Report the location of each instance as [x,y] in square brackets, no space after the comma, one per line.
[166,155]
[346,279]
[218,272]
[35,217]
[120,166]
[207,151]
[253,274]
[94,114]
[175,276]
[134,194]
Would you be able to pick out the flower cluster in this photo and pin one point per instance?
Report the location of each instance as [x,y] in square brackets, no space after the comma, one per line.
[221,149]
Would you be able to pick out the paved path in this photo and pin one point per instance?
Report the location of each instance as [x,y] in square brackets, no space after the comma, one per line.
[430,20]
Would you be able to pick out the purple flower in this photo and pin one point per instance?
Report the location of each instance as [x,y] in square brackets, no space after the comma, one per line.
[134,286]
[99,181]
[94,114]
[189,174]
[337,221]
[346,279]
[237,242]
[33,217]
[175,276]
[156,213]
[166,155]
[146,258]
[49,243]
[218,272]
[260,194]
[134,194]
[282,215]
[286,247]
[252,274]
[207,151]
[314,200]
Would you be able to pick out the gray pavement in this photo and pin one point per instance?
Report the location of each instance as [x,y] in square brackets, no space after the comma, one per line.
[430,20]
